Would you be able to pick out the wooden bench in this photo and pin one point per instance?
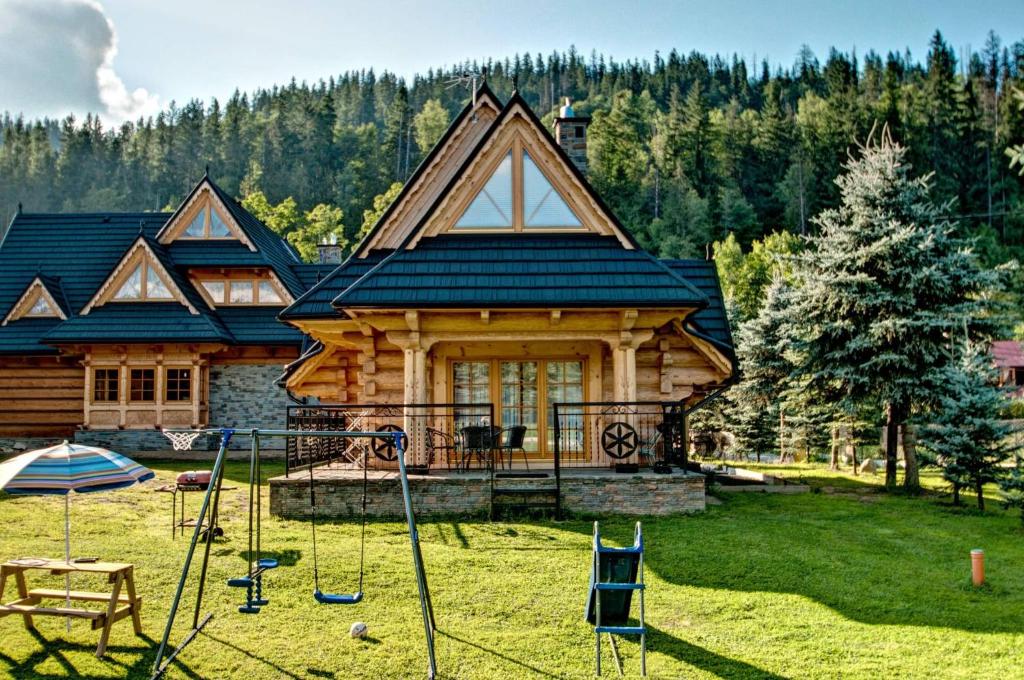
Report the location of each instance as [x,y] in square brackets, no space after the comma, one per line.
[119,606]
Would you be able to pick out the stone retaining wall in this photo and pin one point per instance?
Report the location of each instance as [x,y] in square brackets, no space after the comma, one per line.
[641,494]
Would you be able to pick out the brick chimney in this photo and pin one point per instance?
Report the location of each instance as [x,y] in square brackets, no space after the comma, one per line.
[571,135]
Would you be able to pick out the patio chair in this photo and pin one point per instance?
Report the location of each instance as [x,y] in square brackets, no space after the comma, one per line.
[479,441]
[648,449]
[441,443]
[510,439]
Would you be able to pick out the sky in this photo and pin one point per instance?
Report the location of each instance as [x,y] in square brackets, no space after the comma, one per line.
[126,58]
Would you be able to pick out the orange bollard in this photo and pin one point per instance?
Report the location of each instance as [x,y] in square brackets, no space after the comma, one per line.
[978,567]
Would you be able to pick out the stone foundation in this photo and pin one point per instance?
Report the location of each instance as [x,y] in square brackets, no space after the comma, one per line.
[339,494]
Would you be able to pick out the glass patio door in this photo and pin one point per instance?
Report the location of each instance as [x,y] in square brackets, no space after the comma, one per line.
[523,393]
[519,399]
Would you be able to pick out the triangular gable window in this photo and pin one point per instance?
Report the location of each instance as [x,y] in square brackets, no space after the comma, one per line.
[206,224]
[155,287]
[41,308]
[217,227]
[492,207]
[197,227]
[37,303]
[536,204]
[543,206]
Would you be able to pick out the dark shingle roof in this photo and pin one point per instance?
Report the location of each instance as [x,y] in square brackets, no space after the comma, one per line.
[75,253]
[140,322]
[80,248]
[711,320]
[312,274]
[316,302]
[22,336]
[520,270]
[258,326]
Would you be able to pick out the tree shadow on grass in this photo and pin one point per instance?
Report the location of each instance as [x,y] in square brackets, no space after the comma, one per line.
[662,642]
[891,561]
[57,650]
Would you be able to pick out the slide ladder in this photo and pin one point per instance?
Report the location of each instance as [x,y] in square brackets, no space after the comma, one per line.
[616,573]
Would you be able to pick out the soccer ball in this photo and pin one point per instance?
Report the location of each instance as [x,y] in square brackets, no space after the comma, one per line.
[358,630]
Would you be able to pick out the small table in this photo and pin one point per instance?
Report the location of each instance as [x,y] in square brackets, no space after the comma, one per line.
[118,606]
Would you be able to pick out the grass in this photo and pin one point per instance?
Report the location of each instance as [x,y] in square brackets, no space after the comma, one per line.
[763,586]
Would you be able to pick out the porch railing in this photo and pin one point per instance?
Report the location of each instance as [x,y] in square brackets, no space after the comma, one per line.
[609,434]
[432,431]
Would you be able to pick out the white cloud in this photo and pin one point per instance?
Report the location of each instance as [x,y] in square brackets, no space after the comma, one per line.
[57,57]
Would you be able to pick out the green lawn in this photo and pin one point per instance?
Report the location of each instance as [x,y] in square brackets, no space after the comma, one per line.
[762,586]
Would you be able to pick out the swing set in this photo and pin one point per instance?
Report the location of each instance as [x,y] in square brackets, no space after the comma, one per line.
[252,581]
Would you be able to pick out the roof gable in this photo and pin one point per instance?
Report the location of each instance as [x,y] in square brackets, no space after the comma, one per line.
[203,215]
[39,302]
[433,173]
[518,134]
[140,260]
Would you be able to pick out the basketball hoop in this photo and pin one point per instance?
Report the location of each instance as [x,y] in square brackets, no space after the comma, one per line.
[182,441]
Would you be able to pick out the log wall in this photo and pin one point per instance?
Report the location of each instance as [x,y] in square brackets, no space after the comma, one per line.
[40,396]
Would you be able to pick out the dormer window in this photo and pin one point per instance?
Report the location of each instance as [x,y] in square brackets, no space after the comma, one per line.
[518,196]
[207,224]
[37,302]
[240,287]
[139,277]
[143,283]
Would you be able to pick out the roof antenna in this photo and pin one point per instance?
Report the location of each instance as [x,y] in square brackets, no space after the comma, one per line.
[467,78]
[142,225]
[707,252]
[19,207]
[207,173]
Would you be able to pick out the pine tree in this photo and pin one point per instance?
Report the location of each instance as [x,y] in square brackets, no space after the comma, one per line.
[1012,488]
[883,285]
[757,400]
[966,434]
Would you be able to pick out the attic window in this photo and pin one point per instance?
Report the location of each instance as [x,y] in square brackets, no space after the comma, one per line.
[143,283]
[242,289]
[41,308]
[35,303]
[207,224]
[517,196]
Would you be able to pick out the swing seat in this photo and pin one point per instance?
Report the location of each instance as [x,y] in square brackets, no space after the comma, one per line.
[249,609]
[240,582]
[328,598]
[267,563]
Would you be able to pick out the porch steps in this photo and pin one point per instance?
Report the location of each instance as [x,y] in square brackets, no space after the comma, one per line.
[524,499]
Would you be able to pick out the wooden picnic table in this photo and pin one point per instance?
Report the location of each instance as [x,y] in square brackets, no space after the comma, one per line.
[118,605]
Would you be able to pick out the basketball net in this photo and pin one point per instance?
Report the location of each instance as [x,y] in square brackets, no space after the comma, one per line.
[182,441]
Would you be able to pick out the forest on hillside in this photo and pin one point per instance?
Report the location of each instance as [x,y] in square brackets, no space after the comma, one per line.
[685,148]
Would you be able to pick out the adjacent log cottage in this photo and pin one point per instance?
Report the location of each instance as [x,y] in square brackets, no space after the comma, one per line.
[117,324]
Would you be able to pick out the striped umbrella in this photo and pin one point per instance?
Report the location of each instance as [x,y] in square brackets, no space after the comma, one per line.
[65,468]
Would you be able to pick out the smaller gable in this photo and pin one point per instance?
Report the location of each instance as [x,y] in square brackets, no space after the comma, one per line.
[203,216]
[140,276]
[38,302]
